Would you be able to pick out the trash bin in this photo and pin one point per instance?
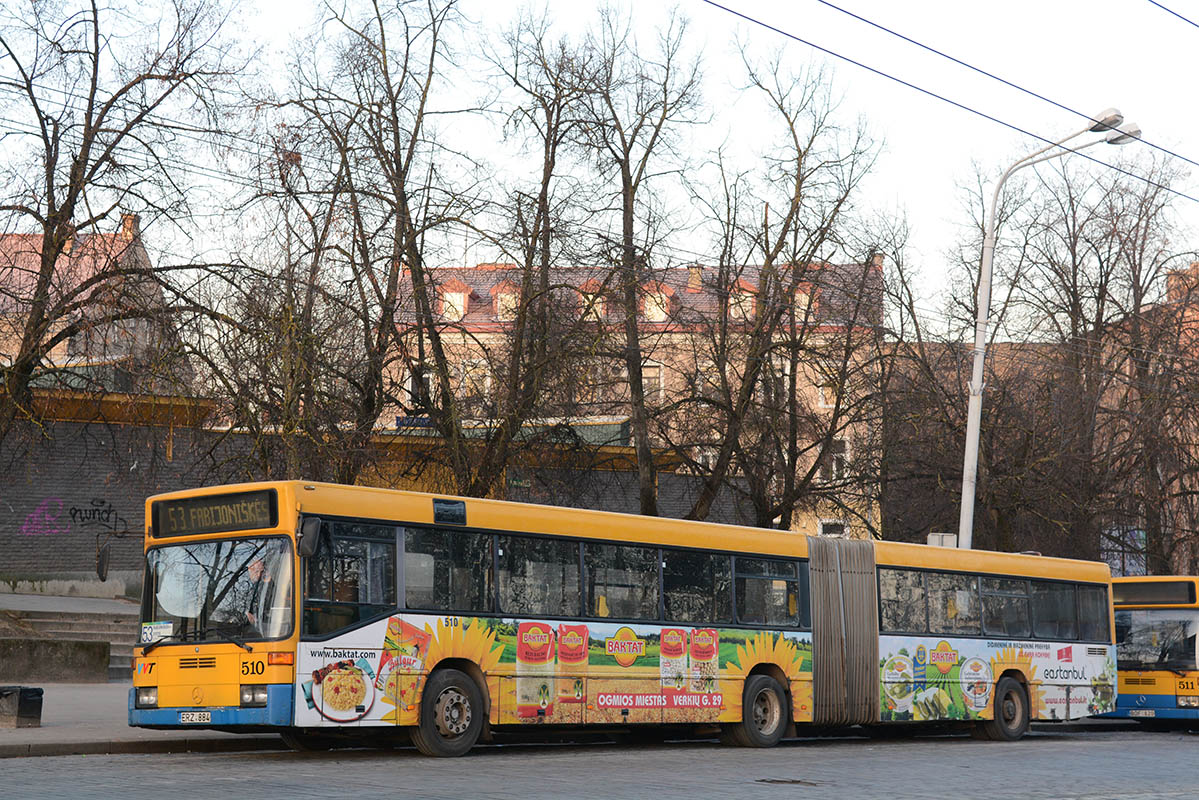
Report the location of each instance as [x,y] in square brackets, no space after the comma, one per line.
[20,707]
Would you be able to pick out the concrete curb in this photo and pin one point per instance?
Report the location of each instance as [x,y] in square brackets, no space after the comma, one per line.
[233,744]
[1087,726]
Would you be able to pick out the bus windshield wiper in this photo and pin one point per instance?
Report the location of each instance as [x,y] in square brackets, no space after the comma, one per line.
[157,642]
[224,637]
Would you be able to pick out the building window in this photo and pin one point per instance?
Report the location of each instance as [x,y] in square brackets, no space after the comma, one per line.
[453,305]
[834,463]
[652,382]
[476,379]
[416,378]
[828,394]
[657,307]
[592,306]
[506,305]
[803,305]
[835,528]
[741,306]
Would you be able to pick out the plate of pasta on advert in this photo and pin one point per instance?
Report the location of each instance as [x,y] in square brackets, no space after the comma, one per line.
[344,691]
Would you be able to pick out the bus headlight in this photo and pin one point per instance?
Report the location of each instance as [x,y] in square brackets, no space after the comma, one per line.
[253,695]
[147,697]
[1188,702]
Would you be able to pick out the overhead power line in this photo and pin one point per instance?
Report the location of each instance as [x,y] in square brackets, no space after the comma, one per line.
[1175,13]
[930,93]
[995,77]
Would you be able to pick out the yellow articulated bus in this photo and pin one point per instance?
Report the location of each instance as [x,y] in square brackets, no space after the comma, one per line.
[1157,623]
[327,612]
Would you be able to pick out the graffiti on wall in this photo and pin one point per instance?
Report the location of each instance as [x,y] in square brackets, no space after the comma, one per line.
[99,513]
[48,518]
[44,520]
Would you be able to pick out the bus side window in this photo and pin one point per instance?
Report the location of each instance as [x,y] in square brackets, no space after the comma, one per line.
[1005,607]
[902,601]
[538,577]
[447,569]
[1093,620]
[351,576]
[697,587]
[953,603]
[622,581]
[768,591]
[1054,612]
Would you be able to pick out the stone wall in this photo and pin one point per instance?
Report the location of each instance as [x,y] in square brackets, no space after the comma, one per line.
[66,488]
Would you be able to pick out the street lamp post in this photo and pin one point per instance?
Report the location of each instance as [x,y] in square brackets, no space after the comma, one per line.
[1108,122]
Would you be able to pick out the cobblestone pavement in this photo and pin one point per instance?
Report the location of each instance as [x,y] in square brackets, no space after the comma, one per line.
[1129,766]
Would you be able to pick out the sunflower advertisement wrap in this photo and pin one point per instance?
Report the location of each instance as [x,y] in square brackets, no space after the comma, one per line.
[546,672]
[927,678]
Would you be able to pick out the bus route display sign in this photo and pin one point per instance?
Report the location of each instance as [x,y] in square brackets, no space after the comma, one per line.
[216,513]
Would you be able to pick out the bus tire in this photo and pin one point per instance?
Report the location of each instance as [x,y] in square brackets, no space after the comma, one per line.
[1011,711]
[451,715]
[764,714]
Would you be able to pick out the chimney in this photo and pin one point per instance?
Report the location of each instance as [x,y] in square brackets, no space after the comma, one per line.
[695,278]
[130,227]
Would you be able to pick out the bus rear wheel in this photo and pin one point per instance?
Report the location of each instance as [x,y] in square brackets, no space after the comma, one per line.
[451,715]
[1011,712]
[763,714]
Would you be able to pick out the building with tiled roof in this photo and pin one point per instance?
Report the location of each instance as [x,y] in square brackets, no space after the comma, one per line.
[679,312]
[100,283]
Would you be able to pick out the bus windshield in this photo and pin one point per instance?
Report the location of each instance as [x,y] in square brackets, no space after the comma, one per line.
[1156,638]
[226,590]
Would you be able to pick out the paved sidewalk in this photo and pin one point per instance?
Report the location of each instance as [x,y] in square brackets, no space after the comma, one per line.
[90,718]
[80,605]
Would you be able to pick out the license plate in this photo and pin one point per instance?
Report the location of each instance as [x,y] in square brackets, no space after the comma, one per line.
[193,717]
[1142,712]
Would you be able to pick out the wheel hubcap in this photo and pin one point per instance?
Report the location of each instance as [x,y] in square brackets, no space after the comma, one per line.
[767,711]
[1011,711]
[451,713]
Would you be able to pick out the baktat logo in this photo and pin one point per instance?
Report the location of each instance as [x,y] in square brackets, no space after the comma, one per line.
[943,658]
[624,647]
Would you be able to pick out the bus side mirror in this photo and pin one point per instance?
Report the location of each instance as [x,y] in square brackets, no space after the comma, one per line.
[103,556]
[310,535]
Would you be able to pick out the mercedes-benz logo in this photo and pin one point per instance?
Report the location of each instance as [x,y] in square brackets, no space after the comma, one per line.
[197,695]
[1141,700]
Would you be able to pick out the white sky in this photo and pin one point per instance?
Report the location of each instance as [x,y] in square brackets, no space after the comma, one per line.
[1086,55]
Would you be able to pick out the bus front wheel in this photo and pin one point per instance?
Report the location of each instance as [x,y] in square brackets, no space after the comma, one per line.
[763,713]
[451,715]
[1011,712]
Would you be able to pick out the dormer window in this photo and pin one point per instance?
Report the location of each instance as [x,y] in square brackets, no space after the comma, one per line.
[742,300]
[803,303]
[506,305]
[657,307]
[741,306]
[591,301]
[453,305]
[656,298]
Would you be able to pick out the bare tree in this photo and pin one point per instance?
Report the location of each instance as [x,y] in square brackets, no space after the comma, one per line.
[807,324]
[636,100]
[1089,416]
[98,106]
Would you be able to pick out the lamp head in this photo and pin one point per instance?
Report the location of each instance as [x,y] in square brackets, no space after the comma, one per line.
[1129,132]
[1106,119]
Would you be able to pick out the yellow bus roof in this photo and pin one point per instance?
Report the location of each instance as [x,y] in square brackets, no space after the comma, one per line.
[393,504]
